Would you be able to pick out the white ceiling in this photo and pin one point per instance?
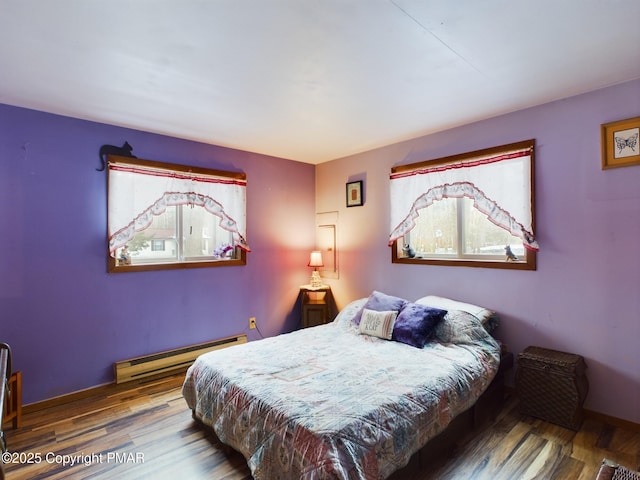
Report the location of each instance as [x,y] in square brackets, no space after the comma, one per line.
[308,80]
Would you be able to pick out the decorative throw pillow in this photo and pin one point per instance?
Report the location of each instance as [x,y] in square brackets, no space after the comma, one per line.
[380,302]
[416,323]
[378,324]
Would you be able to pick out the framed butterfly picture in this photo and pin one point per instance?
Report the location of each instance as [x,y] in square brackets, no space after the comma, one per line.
[620,143]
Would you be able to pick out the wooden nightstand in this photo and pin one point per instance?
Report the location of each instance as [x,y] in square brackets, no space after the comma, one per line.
[316,305]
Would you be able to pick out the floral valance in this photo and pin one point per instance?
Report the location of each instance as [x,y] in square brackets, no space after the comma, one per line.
[499,185]
[139,190]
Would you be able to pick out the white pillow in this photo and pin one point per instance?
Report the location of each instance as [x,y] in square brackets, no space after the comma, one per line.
[481,313]
[378,324]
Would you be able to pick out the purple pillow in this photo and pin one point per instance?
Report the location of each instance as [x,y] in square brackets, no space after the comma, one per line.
[380,302]
[415,323]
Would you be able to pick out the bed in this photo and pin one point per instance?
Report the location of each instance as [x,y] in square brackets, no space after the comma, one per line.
[338,402]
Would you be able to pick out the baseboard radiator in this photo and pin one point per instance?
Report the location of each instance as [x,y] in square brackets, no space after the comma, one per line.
[170,361]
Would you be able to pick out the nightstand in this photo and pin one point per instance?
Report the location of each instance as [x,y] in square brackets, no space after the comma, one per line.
[316,305]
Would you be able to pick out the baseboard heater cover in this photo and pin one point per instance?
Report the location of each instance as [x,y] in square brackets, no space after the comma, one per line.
[169,361]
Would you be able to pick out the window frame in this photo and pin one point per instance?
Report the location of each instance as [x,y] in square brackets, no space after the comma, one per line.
[530,257]
[112,263]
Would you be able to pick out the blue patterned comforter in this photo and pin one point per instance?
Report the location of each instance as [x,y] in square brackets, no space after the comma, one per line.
[329,403]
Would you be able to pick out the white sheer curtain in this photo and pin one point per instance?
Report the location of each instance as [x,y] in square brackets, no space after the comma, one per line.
[499,185]
[138,191]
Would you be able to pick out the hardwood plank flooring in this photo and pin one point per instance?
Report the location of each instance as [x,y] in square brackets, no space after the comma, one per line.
[146,431]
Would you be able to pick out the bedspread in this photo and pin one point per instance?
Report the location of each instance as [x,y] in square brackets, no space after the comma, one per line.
[326,402]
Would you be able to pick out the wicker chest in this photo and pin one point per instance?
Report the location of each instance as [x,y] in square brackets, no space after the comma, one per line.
[552,385]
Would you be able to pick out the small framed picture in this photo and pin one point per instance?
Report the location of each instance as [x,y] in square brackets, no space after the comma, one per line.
[354,194]
[620,145]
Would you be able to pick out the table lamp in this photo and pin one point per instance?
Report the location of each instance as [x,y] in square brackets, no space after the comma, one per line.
[315,261]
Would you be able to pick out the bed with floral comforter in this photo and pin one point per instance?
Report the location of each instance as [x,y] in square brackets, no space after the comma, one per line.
[329,402]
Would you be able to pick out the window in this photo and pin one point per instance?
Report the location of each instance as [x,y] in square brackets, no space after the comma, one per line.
[474,209]
[170,216]
[157,245]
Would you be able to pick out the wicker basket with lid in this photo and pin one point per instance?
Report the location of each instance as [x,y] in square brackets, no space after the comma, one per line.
[552,385]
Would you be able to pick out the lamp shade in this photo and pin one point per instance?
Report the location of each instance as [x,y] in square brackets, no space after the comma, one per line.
[315,259]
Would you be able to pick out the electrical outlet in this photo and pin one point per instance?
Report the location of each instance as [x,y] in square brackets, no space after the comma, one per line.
[252,322]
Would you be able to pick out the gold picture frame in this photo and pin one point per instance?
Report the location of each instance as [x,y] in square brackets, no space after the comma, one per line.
[620,143]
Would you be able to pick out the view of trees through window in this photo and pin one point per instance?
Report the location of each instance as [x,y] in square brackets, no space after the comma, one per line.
[453,227]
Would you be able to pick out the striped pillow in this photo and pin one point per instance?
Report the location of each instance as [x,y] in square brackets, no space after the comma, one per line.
[378,324]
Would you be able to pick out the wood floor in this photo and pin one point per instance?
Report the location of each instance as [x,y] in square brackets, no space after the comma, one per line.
[146,431]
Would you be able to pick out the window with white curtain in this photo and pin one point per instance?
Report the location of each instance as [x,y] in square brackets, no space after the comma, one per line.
[474,209]
[163,216]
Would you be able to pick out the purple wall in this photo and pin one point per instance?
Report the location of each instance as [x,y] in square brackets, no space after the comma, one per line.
[66,319]
[584,296]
